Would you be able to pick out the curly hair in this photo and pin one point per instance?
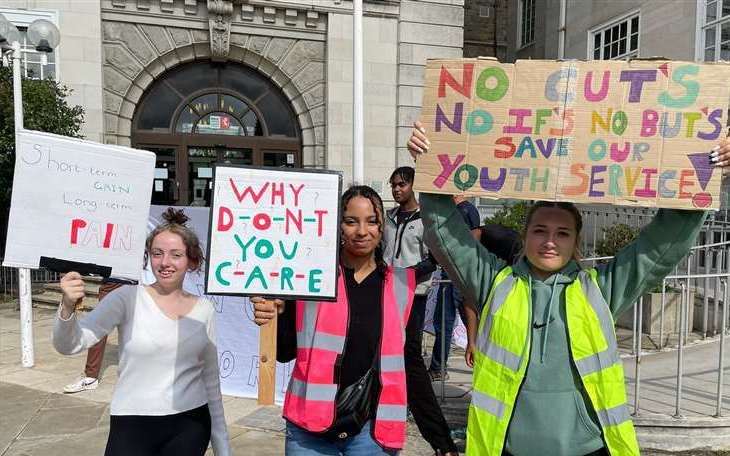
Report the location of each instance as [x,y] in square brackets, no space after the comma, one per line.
[364,191]
[175,222]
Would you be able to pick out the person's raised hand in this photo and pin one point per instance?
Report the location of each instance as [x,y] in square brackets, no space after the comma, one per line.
[720,155]
[73,291]
[266,309]
[418,142]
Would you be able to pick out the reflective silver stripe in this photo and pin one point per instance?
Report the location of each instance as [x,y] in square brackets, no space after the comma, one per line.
[502,356]
[312,391]
[309,319]
[392,363]
[400,291]
[614,416]
[598,303]
[391,412]
[597,362]
[488,404]
[324,341]
[499,296]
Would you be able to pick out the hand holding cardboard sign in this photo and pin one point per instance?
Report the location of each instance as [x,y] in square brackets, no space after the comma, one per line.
[266,309]
[418,142]
[720,155]
[72,287]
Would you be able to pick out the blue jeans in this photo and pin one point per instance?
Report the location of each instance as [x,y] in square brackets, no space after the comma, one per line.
[300,442]
[450,297]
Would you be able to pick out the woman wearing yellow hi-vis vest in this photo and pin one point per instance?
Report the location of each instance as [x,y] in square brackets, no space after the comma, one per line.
[547,375]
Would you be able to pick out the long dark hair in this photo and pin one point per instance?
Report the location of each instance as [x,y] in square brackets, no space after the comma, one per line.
[569,207]
[367,192]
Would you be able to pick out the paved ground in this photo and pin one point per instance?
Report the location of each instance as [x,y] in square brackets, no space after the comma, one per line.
[35,419]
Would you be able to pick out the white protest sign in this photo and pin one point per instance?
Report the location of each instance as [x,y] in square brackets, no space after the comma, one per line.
[79,200]
[274,232]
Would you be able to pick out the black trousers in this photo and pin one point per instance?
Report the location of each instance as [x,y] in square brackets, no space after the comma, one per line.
[421,398]
[182,434]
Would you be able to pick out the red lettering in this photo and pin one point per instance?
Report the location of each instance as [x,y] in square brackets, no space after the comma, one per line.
[505,141]
[296,193]
[277,192]
[320,216]
[108,235]
[76,225]
[445,78]
[683,182]
[224,212]
[295,219]
[248,191]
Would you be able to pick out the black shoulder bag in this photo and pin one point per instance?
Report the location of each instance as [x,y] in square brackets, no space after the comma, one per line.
[354,404]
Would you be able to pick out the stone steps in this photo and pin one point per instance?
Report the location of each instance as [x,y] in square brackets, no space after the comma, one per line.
[51,295]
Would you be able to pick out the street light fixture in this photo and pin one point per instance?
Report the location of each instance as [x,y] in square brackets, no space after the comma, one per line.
[8,32]
[45,37]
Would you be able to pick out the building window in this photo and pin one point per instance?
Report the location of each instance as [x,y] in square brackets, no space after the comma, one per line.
[32,65]
[616,40]
[527,22]
[716,30]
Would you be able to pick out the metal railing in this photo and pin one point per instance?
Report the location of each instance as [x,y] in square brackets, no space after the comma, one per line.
[9,280]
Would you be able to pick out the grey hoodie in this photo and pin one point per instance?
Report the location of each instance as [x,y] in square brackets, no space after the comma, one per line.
[404,246]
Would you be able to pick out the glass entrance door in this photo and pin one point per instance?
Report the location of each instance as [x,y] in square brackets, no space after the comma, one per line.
[200,169]
[280,158]
[164,186]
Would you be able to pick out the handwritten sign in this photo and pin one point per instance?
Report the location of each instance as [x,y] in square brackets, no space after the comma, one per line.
[627,133]
[274,232]
[79,200]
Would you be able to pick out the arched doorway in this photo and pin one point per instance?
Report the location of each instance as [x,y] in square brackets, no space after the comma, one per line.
[204,113]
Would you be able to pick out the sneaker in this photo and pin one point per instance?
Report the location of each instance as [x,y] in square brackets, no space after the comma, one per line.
[82,384]
[436,375]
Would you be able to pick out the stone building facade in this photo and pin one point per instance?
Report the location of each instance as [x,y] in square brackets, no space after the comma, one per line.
[667,28]
[485,28]
[261,82]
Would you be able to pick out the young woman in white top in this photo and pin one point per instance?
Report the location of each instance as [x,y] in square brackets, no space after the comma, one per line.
[167,400]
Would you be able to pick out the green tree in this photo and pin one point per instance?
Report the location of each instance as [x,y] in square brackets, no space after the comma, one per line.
[45,108]
[615,238]
[512,216]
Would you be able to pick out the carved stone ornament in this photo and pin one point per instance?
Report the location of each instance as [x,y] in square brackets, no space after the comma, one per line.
[219,18]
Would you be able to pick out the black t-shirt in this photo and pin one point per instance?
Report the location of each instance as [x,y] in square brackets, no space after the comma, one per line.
[365,325]
[363,332]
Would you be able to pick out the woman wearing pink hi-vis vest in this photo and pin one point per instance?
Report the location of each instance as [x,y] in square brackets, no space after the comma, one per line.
[349,346]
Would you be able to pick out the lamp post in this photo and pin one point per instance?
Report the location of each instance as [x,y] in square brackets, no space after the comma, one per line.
[358,123]
[45,37]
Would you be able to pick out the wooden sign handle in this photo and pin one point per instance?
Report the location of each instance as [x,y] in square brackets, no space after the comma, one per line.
[267,361]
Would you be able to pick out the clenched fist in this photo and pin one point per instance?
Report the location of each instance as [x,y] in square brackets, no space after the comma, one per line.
[72,287]
[266,309]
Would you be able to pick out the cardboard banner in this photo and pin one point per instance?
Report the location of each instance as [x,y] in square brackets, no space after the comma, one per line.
[627,133]
[274,232]
[80,201]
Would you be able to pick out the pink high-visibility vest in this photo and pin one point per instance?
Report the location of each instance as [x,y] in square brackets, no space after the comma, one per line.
[321,333]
